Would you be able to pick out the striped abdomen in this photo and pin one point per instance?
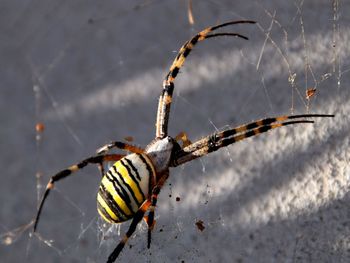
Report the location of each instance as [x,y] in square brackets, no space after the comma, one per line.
[124,188]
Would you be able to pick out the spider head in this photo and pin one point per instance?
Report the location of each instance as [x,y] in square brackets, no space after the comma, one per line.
[160,152]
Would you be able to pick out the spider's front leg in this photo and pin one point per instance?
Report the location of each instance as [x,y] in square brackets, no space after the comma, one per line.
[165,98]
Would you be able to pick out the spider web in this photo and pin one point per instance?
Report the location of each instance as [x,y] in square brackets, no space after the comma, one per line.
[86,77]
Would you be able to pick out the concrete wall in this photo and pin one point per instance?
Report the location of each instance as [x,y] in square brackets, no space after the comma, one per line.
[97,68]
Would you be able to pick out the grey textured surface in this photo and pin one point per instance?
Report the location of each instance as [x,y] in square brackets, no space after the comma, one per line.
[281,197]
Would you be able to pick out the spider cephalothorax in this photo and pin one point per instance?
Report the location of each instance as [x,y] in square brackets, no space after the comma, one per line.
[160,152]
[131,186]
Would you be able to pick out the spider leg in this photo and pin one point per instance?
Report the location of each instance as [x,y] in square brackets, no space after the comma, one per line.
[98,159]
[101,168]
[136,219]
[224,138]
[148,204]
[168,84]
[116,144]
[119,145]
[109,158]
[150,219]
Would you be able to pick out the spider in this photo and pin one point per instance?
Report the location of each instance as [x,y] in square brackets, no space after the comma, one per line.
[129,189]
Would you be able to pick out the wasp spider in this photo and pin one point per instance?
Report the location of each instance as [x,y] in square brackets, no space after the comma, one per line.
[130,187]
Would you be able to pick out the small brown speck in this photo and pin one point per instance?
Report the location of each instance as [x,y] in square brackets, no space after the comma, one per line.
[178,199]
[200,225]
[310,92]
[128,138]
[39,127]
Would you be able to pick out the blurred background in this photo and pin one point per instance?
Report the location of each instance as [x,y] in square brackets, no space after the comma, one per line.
[89,72]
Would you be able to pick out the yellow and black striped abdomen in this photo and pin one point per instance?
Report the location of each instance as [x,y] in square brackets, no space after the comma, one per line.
[124,188]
